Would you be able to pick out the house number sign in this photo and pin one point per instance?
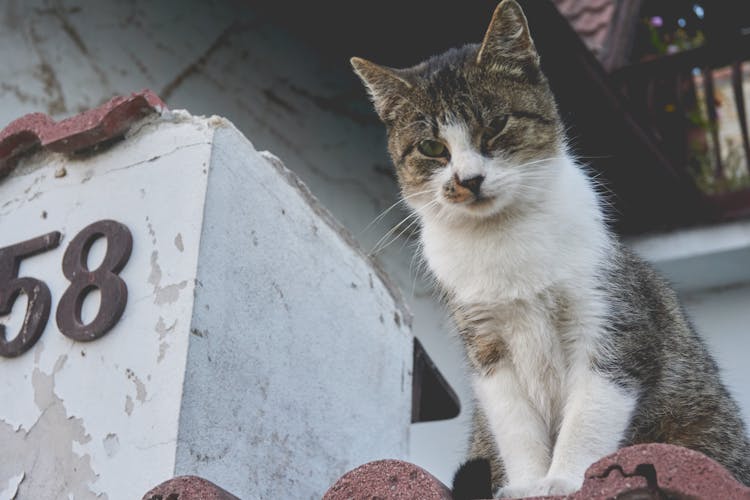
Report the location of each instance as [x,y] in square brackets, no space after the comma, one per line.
[105,278]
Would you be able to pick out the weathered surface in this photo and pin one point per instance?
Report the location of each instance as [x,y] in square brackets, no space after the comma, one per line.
[392,479]
[258,347]
[77,414]
[300,356]
[188,488]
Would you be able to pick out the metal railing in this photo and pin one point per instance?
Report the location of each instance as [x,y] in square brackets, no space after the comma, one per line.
[675,96]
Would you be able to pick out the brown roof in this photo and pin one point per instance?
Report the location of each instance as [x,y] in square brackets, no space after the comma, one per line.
[591,19]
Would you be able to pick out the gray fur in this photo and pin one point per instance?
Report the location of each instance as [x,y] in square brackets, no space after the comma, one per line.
[654,349]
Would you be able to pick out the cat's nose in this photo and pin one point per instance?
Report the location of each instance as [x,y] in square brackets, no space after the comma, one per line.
[472,184]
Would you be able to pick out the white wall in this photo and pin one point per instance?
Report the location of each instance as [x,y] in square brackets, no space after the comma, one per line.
[722,316]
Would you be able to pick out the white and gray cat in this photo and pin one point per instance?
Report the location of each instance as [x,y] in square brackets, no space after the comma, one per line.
[577,348]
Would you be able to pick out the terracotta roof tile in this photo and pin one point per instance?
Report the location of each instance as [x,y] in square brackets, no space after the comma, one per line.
[188,488]
[392,479]
[79,132]
[650,470]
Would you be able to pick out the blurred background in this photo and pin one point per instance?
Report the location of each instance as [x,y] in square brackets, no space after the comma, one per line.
[654,94]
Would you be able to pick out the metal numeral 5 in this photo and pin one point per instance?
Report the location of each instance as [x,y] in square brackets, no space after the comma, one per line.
[37,293]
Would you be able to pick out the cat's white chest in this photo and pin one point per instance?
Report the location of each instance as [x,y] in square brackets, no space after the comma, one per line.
[535,362]
[485,268]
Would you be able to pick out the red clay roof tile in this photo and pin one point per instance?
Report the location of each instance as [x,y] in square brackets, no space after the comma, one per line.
[79,132]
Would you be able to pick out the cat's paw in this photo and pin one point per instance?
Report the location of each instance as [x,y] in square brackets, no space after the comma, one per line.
[557,486]
[547,486]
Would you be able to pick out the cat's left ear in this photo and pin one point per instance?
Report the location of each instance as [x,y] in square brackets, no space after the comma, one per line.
[508,36]
[387,86]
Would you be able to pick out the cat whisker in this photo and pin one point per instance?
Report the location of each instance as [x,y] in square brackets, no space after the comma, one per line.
[380,245]
[396,236]
[402,200]
[406,229]
[421,269]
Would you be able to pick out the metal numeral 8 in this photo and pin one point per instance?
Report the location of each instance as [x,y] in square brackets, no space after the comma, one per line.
[114,292]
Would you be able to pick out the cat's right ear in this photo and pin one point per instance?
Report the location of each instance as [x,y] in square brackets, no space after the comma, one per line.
[508,37]
[386,86]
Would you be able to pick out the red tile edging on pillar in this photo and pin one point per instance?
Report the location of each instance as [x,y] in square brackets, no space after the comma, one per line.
[76,133]
[391,479]
[188,488]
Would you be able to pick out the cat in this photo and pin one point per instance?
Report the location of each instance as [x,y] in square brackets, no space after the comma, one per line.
[576,347]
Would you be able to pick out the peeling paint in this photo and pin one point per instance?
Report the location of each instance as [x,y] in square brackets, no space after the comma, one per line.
[162,329]
[154,278]
[167,294]
[111,444]
[153,236]
[162,351]
[178,242]
[38,350]
[140,387]
[10,490]
[128,405]
[52,438]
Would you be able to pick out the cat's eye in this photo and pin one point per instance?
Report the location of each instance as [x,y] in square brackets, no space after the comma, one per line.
[493,131]
[432,149]
[496,126]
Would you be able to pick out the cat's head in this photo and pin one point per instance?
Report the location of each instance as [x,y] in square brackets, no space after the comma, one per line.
[470,130]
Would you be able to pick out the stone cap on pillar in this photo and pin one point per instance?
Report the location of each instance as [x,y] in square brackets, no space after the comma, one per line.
[211,353]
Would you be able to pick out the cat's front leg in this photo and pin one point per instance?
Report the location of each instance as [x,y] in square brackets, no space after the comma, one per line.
[596,416]
[519,430]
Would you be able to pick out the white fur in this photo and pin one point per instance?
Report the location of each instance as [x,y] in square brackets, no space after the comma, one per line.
[515,422]
[595,418]
[466,161]
[555,242]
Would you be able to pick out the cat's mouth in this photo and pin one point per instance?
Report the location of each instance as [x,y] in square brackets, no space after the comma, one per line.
[481,202]
[479,205]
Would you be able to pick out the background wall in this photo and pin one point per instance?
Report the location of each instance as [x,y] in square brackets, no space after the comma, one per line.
[226,58]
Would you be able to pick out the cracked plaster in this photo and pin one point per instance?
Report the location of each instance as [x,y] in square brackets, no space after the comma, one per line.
[82,413]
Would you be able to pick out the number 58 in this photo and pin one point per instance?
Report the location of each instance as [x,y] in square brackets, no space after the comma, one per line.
[114,292]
